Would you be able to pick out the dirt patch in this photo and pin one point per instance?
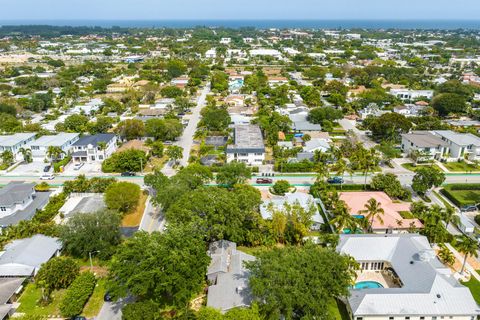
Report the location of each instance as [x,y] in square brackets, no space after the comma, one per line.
[133,219]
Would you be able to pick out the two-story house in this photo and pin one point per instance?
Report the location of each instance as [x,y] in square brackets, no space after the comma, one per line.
[461,145]
[427,145]
[63,140]
[15,143]
[95,148]
[248,147]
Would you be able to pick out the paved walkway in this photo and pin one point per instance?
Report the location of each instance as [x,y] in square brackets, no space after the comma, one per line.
[441,166]
[468,267]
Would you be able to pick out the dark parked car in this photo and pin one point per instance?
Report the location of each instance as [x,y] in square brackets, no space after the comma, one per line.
[47,168]
[107,297]
[78,318]
[264,180]
[128,174]
[335,180]
[469,209]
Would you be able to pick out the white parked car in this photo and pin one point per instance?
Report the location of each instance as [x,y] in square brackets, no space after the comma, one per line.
[47,176]
[77,166]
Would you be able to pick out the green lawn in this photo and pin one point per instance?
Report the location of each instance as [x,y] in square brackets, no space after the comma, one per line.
[461,166]
[465,197]
[338,310]
[254,251]
[412,167]
[406,215]
[474,287]
[95,302]
[32,295]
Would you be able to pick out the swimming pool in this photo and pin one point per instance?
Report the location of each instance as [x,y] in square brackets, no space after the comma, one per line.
[367,285]
[358,216]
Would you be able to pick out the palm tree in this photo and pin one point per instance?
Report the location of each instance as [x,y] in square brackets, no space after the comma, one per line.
[27,154]
[446,255]
[468,247]
[449,216]
[373,210]
[342,218]
[54,152]
[369,163]
[341,166]
[102,146]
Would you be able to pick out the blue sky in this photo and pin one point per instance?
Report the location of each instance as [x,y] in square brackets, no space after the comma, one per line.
[238,9]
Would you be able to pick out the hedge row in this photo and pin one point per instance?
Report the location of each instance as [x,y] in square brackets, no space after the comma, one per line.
[77,295]
[452,198]
[63,162]
[464,186]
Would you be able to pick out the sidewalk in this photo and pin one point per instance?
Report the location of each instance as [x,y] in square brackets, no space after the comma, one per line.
[459,257]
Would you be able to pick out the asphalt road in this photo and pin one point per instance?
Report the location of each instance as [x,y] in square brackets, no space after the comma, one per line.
[186,139]
[112,310]
[152,219]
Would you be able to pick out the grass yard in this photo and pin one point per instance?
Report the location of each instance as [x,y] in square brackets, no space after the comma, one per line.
[406,215]
[461,167]
[32,295]
[133,219]
[412,167]
[338,310]
[474,287]
[155,163]
[95,302]
[462,197]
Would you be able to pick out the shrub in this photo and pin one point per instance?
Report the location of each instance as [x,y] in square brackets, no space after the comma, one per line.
[281,187]
[42,187]
[77,295]
[477,219]
[122,196]
[51,209]
[61,163]
[128,160]
[57,273]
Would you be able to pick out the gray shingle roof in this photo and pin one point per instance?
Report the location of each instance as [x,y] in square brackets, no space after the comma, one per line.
[248,139]
[462,139]
[424,139]
[15,192]
[8,287]
[22,258]
[230,288]
[95,139]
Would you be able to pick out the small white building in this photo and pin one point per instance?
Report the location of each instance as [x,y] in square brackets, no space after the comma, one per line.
[211,54]
[248,147]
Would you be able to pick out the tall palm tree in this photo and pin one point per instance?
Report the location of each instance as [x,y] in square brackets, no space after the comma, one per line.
[468,247]
[373,210]
[449,216]
[446,255]
[27,154]
[342,218]
[340,167]
[54,152]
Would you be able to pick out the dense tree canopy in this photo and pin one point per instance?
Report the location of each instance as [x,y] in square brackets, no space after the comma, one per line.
[168,268]
[299,282]
[91,232]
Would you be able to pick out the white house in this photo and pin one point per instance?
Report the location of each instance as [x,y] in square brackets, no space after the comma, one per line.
[89,148]
[461,145]
[305,200]
[408,94]
[16,142]
[400,277]
[430,146]
[225,40]
[62,140]
[211,54]
[248,146]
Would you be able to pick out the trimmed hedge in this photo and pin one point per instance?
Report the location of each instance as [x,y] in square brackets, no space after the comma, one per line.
[63,162]
[464,186]
[78,294]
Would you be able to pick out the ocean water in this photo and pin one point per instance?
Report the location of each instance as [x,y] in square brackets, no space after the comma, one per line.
[261,24]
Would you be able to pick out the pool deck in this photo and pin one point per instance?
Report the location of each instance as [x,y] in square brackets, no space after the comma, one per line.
[376,276]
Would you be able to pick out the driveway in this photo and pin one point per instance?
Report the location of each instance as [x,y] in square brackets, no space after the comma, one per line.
[85,169]
[112,310]
[361,135]
[34,168]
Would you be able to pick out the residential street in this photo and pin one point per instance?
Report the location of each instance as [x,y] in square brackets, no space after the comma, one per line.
[362,137]
[152,219]
[186,140]
[112,310]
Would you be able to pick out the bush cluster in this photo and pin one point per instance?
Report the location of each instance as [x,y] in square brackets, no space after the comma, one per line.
[77,295]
